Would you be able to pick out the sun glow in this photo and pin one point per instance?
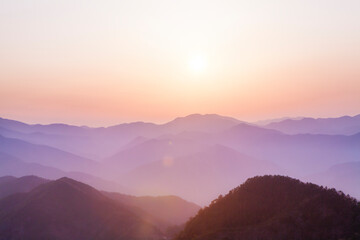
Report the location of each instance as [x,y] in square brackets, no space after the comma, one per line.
[197,64]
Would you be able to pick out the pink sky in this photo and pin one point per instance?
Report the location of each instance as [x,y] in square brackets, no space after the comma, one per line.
[96,63]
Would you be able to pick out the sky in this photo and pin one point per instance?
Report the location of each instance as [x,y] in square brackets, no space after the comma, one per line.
[100,63]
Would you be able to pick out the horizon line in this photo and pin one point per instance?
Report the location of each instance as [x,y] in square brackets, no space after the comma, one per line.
[174,118]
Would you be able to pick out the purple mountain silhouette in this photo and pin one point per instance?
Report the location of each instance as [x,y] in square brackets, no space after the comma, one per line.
[67,209]
[345,125]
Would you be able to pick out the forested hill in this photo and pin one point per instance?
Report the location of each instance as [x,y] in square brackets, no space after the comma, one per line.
[277,207]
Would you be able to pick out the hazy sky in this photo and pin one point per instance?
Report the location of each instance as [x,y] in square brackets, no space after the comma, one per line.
[105,62]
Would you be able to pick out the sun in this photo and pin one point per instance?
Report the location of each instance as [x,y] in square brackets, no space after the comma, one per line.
[197,64]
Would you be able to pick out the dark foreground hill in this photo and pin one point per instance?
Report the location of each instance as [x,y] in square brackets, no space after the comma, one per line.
[67,209]
[276,207]
[167,210]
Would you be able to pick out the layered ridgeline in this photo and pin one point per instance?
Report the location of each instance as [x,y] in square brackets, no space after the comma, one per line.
[208,152]
[99,143]
[67,209]
[345,125]
[276,207]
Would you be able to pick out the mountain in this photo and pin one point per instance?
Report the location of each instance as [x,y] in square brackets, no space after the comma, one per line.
[10,165]
[148,151]
[169,209]
[197,177]
[193,122]
[66,209]
[235,135]
[274,120]
[345,177]
[345,125]
[299,155]
[10,185]
[56,128]
[133,146]
[14,125]
[93,143]
[277,207]
[6,179]
[102,142]
[246,133]
[13,166]
[202,123]
[210,123]
[76,144]
[45,155]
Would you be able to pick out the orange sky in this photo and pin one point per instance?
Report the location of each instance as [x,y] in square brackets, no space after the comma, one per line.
[101,63]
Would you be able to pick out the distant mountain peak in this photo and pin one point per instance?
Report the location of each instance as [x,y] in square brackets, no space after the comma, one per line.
[198,116]
[200,122]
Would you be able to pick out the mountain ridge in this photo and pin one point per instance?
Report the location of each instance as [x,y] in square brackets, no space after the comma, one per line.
[344,125]
[276,207]
[67,209]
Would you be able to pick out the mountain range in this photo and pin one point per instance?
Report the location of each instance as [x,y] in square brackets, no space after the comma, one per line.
[345,125]
[10,165]
[98,143]
[66,209]
[168,159]
[36,208]
[262,207]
